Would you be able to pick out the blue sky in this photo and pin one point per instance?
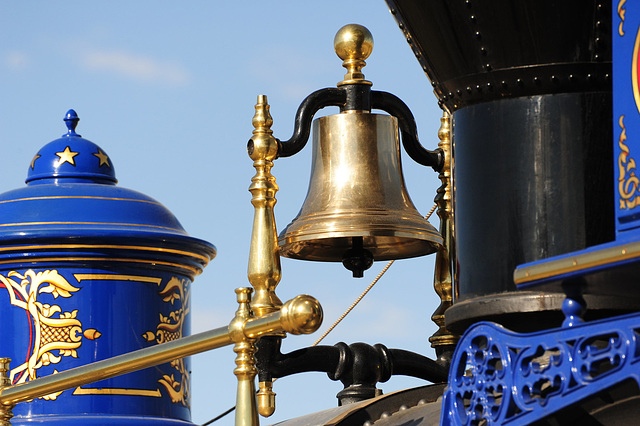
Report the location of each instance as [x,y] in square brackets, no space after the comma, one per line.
[168,89]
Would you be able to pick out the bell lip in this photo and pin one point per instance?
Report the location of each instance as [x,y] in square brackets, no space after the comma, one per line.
[331,246]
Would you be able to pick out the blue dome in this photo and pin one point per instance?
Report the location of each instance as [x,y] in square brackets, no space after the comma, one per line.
[71,194]
[71,157]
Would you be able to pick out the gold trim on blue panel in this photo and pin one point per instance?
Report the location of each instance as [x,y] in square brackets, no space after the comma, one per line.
[205,259]
[87,223]
[579,262]
[87,197]
[195,271]
[117,391]
[117,277]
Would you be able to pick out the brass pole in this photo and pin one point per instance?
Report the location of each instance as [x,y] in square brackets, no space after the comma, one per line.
[245,371]
[302,315]
[443,341]
[264,254]
[264,271]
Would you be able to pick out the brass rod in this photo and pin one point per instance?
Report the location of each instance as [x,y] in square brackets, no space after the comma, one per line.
[300,315]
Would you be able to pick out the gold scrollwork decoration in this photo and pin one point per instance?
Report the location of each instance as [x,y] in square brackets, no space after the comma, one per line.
[628,182]
[621,12]
[169,328]
[50,332]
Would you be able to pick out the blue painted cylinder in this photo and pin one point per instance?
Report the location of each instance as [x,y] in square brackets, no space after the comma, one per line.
[90,270]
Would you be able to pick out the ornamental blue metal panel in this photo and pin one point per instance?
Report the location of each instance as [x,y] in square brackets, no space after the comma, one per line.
[500,377]
[626,117]
[89,270]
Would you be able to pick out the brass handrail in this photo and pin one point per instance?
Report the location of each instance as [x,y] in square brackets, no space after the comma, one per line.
[300,315]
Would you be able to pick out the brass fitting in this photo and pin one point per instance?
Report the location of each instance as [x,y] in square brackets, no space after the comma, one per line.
[6,411]
[353,44]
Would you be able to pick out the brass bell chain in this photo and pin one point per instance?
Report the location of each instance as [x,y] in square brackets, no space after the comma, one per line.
[364,293]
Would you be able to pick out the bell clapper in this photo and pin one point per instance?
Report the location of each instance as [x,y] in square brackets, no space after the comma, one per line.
[357,259]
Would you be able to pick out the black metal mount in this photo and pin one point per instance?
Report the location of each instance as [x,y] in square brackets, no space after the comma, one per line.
[360,97]
[358,366]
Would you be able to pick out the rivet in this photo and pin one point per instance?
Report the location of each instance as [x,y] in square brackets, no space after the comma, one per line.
[459,92]
[488,67]
[519,82]
[489,86]
[393,11]
[478,88]
[385,415]
[554,79]
[450,95]
[503,83]
[536,80]
[478,35]
[468,89]
[483,51]
[401,25]
[473,18]
[571,77]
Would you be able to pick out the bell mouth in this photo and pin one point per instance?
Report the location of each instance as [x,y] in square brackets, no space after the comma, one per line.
[320,238]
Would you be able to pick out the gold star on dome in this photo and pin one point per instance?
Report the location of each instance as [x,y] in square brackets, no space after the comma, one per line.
[33,162]
[66,156]
[104,158]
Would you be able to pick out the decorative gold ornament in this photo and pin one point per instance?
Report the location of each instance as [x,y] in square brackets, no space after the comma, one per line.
[628,182]
[67,156]
[104,158]
[353,44]
[171,328]
[62,333]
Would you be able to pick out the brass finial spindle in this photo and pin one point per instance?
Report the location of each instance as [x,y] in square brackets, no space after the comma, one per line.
[443,341]
[264,255]
[6,411]
[353,44]
[245,371]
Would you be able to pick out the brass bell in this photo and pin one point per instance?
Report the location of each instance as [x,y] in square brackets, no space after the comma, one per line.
[357,208]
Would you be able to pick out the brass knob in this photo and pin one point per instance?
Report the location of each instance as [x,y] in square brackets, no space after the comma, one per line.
[353,44]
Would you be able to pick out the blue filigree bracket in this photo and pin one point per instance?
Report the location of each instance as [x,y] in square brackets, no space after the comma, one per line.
[503,377]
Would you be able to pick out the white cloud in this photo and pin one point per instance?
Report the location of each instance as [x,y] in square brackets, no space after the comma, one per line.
[16,61]
[136,67]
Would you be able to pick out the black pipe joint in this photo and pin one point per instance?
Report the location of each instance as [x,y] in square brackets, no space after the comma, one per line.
[358,366]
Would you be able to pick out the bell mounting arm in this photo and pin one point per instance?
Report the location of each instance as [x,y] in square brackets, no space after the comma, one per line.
[353,44]
[395,106]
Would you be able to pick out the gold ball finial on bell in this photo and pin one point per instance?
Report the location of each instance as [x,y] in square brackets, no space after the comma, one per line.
[353,44]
